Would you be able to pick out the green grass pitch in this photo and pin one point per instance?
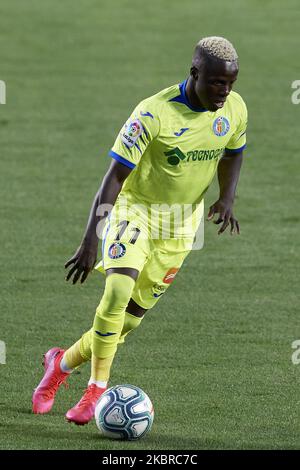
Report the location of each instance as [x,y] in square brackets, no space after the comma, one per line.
[215,354]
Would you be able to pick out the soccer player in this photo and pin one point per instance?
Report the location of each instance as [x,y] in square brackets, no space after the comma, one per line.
[166,153]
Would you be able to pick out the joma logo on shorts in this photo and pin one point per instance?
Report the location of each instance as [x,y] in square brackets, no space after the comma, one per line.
[176,155]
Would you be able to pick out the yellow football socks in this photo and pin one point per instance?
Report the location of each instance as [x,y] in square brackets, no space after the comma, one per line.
[130,323]
[72,358]
[81,352]
[111,325]
[100,370]
[108,324]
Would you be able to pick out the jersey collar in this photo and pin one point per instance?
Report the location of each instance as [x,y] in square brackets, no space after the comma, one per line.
[182,98]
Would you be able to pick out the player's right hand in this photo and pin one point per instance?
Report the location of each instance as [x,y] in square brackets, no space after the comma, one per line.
[83,262]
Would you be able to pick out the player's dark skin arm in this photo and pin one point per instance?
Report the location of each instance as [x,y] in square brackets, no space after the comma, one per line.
[228,175]
[85,257]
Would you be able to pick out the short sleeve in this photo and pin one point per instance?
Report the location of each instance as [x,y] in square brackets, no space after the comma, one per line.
[237,142]
[136,135]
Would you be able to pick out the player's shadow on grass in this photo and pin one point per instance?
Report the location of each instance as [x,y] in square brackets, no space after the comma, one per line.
[28,411]
[91,440]
[38,428]
[39,432]
[50,435]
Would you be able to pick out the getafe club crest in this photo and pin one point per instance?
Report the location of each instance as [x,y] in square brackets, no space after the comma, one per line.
[221,126]
[131,132]
[116,250]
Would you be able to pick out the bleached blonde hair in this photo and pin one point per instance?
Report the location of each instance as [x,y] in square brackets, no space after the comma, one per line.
[218,47]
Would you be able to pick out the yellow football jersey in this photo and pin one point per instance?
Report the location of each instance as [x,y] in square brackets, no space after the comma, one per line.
[174,148]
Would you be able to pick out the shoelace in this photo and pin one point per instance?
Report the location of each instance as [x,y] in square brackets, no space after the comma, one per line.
[89,394]
[53,386]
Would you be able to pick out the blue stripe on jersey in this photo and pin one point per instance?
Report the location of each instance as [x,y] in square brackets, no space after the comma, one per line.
[182,98]
[235,150]
[127,146]
[120,159]
[138,147]
[146,133]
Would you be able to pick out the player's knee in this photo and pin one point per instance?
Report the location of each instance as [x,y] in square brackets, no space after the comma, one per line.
[117,293]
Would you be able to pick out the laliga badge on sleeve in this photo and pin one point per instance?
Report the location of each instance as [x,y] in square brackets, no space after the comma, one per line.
[131,132]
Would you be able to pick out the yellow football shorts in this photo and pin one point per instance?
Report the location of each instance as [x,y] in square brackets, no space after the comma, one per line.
[126,245]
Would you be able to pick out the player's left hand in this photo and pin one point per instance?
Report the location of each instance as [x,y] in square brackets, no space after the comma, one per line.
[224,209]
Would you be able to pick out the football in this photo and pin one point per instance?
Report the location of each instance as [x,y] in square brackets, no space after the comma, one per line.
[124,412]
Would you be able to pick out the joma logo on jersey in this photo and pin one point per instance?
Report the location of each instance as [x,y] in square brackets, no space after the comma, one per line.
[176,155]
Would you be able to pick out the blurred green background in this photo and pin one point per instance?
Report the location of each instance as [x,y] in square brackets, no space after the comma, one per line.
[215,354]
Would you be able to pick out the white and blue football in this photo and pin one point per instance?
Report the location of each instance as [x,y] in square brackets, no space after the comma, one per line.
[124,412]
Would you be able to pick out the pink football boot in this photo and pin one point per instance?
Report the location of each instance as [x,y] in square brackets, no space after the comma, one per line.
[44,394]
[83,412]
